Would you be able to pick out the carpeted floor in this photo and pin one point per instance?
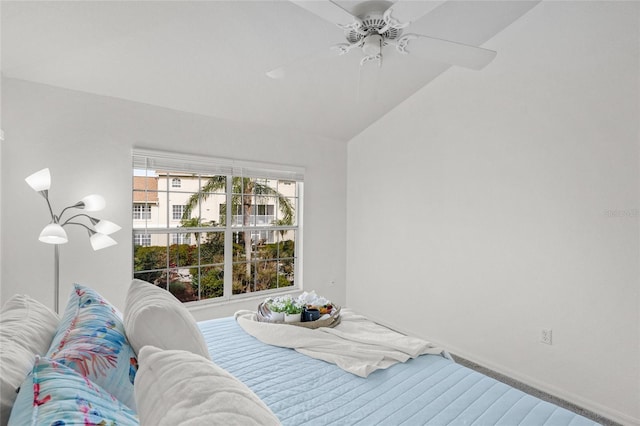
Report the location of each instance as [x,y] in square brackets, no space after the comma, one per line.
[535,392]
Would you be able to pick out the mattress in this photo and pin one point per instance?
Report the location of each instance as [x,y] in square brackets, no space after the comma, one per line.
[428,390]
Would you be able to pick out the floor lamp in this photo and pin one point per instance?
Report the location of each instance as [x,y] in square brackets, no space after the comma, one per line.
[54,232]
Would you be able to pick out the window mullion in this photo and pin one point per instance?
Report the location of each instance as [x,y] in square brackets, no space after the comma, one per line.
[198,238]
[168,238]
[298,253]
[228,241]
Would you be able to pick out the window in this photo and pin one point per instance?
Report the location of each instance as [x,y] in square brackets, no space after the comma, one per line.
[176,183]
[141,211]
[262,214]
[180,239]
[177,211]
[143,240]
[192,250]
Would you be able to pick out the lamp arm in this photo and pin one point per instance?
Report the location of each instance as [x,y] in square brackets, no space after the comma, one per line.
[45,194]
[91,231]
[77,205]
[68,221]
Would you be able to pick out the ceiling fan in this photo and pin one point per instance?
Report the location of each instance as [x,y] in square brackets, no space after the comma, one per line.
[375,25]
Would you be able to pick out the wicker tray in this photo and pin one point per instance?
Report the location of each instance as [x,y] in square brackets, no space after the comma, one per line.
[264,315]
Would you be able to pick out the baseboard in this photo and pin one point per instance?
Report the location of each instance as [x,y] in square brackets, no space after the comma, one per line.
[571,398]
[577,400]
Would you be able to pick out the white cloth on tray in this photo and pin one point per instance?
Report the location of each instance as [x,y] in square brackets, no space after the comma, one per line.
[356,344]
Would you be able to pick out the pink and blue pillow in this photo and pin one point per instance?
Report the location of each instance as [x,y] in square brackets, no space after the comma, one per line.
[53,394]
[91,340]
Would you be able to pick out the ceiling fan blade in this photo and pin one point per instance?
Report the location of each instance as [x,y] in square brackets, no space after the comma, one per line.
[402,13]
[304,63]
[329,11]
[448,52]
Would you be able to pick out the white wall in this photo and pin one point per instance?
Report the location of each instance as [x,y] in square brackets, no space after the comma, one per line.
[86,142]
[1,149]
[493,204]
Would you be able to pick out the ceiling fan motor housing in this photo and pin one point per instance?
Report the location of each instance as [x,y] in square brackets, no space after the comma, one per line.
[371,25]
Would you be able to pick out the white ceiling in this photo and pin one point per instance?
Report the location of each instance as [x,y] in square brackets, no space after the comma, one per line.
[210,57]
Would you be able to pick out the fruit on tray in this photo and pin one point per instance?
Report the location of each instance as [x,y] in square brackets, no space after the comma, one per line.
[324,309]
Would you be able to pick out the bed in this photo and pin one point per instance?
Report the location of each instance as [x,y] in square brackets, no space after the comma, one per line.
[430,389]
[155,365]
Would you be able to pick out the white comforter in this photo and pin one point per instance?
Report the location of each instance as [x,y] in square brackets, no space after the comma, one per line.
[356,344]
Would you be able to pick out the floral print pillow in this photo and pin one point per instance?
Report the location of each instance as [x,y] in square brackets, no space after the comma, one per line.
[92,341]
[55,395]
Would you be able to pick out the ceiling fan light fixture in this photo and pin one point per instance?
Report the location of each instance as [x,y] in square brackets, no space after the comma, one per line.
[372,45]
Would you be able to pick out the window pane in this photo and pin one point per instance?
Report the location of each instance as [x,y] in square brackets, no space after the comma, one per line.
[265,211]
[238,246]
[211,210]
[266,275]
[179,284]
[286,272]
[286,214]
[181,255]
[211,281]
[213,184]
[149,262]
[211,248]
[243,277]
[286,256]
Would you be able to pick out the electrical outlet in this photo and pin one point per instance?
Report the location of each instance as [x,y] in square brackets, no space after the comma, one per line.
[546,335]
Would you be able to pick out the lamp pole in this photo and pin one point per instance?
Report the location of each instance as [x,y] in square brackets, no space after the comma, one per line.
[56,275]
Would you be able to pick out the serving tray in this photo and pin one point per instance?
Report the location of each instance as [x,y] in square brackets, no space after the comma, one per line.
[264,314]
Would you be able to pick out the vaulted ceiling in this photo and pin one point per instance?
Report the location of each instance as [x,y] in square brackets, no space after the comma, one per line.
[211,57]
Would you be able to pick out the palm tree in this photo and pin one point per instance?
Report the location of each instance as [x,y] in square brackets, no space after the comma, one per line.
[244,191]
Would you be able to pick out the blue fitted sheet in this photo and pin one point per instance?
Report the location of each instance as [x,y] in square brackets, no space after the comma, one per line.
[428,390]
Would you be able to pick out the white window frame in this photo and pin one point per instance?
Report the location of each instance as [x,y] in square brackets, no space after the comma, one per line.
[168,161]
[144,240]
[180,238]
[142,210]
[177,208]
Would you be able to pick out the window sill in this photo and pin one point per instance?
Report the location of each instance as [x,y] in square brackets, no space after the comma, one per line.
[221,307]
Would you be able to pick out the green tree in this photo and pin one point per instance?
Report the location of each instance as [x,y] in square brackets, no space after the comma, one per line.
[245,191]
[147,259]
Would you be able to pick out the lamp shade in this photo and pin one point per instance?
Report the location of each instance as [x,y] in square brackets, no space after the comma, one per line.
[106,227]
[93,202]
[40,181]
[100,241]
[53,233]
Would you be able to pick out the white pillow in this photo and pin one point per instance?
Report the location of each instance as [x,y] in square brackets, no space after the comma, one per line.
[27,328]
[153,316]
[179,388]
